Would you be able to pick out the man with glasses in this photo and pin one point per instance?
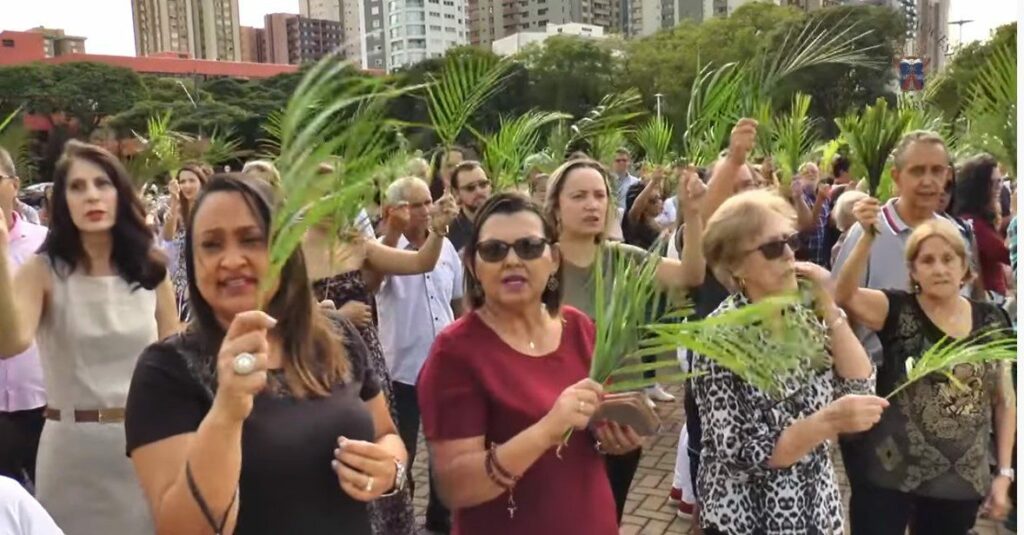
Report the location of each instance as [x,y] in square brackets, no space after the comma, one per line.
[413,309]
[22,395]
[471,188]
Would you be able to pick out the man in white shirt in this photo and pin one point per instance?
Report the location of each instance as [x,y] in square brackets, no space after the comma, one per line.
[22,395]
[413,309]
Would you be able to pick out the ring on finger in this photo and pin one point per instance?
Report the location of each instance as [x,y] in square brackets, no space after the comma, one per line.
[244,363]
[369,484]
[583,406]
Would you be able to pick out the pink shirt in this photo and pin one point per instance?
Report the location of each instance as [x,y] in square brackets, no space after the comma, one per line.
[21,377]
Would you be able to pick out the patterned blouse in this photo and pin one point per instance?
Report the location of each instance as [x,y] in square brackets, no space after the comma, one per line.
[740,493]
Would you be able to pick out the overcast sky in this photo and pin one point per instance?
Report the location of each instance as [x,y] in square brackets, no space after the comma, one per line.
[108,23]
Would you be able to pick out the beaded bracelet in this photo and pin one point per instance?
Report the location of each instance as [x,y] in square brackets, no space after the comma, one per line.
[491,465]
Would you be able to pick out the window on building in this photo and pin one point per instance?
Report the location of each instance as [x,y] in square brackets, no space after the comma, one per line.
[435,28]
[375,11]
[435,14]
[449,30]
[8,43]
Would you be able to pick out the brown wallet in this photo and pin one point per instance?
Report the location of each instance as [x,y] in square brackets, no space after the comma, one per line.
[629,408]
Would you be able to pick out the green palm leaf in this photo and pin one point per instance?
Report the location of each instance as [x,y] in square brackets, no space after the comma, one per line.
[655,139]
[10,118]
[872,135]
[506,151]
[222,146]
[331,117]
[161,150]
[942,358]
[992,107]
[612,117]
[764,343]
[793,136]
[464,85]
[716,98]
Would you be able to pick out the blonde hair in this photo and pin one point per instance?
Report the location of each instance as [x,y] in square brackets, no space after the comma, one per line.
[418,167]
[842,214]
[943,229]
[739,219]
[262,169]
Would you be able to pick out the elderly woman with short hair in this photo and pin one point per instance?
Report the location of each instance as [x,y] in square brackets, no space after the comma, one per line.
[764,464]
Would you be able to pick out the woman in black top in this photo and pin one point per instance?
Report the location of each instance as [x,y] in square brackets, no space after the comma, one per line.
[926,463]
[249,424]
[644,202]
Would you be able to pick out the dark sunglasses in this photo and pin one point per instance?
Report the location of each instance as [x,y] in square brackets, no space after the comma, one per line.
[775,249]
[526,249]
[470,188]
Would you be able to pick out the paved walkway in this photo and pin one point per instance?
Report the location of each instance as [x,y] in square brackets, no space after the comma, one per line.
[648,510]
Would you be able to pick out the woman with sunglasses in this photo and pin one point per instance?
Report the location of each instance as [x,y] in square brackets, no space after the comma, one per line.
[503,384]
[764,464]
[579,204]
[926,464]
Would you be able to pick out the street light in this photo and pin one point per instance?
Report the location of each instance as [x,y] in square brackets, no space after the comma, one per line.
[658,97]
[187,94]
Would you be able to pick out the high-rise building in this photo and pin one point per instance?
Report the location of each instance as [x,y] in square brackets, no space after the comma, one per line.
[701,10]
[295,39]
[421,29]
[253,44]
[931,41]
[57,43]
[490,20]
[515,43]
[204,29]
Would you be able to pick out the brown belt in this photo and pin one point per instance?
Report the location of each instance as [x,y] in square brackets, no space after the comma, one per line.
[103,416]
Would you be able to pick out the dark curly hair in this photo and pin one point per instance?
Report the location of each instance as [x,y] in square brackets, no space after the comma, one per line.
[973,193]
[133,255]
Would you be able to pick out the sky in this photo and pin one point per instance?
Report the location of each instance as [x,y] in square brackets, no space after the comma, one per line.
[107,24]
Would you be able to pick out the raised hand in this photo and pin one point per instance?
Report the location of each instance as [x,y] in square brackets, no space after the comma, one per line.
[866,211]
[237,384]
[741,140]
[691,191]
[442,213]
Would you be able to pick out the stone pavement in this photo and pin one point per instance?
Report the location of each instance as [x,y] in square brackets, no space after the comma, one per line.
[648,510]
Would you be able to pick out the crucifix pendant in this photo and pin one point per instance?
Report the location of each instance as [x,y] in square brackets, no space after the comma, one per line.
[511,507]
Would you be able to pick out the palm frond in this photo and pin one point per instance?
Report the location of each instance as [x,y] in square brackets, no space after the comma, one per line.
[655,139]
[464,85]
[814,43]
[604,145]
[794,137]
[715,105]
[613,115]
[828,152]
[764,343]
[330,117]
[947,354]
[9,119]
[222,146]
[992,107]
[872,135]
[161,150]
[505,151]
[270,144]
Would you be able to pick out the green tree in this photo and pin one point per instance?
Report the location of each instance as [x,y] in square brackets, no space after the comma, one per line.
[949,90]
[570,74]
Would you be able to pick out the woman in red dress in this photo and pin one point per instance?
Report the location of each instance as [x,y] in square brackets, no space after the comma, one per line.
[504,383]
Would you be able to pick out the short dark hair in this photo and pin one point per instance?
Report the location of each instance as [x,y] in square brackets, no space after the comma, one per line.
[509,202]
[840,165]
[464,167]
[973,191]
[134,255]
[436,181]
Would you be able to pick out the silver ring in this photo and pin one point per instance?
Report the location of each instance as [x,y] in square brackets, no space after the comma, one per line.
[244,363]
[369,485]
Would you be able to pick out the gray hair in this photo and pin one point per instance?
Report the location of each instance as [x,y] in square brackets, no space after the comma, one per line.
[917,136]
[398,189]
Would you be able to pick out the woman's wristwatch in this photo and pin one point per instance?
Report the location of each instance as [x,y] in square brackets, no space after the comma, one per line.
[1009,473]
[400,479]
[841,318]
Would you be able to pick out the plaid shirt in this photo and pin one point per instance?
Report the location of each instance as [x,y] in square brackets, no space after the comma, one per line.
[815,248]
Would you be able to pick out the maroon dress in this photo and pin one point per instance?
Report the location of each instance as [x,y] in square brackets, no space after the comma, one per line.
[474,384]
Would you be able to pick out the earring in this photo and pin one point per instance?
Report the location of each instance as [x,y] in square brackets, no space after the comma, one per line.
[552,283]
[915,287]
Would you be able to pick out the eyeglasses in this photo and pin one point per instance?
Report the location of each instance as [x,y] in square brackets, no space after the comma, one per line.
[526,249]
[621,160]
[481,185]
[775,249]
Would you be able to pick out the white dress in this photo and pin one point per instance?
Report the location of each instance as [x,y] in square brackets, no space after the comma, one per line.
[92,331]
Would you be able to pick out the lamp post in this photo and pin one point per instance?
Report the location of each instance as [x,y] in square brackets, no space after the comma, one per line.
[658,97]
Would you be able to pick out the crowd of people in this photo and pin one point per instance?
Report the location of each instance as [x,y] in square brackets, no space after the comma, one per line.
[150,381]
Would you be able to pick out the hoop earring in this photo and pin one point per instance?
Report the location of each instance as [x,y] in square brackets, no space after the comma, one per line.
[552,283]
